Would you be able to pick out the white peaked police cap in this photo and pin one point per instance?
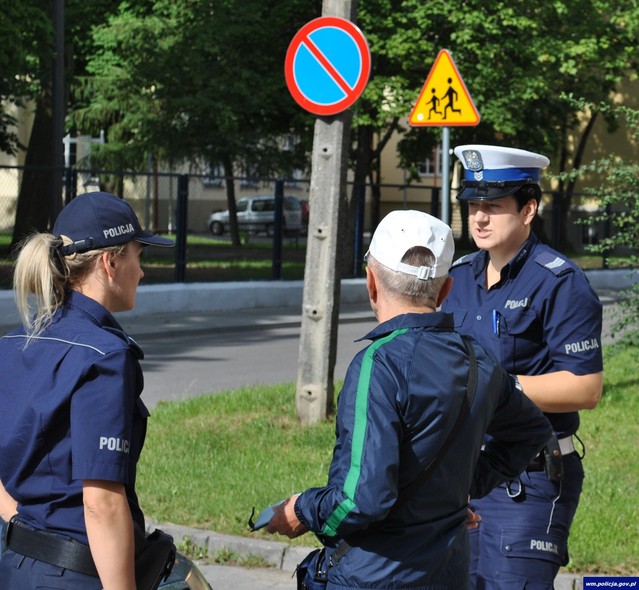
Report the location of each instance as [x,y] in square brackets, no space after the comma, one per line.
[493,172]
[400,231]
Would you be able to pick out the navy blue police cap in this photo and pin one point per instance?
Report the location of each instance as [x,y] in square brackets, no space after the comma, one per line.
[493,172]
[100,220]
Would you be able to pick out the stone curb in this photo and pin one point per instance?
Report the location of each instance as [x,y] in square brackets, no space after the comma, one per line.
[185,298]
[278,554]
[239,295]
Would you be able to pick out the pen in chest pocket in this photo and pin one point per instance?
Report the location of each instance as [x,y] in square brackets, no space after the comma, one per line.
[496,323]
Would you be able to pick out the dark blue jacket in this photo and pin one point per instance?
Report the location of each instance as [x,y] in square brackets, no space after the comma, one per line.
[70,410]
[400,399]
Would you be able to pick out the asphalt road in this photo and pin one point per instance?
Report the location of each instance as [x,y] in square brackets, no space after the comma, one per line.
[195,354]
[200,354]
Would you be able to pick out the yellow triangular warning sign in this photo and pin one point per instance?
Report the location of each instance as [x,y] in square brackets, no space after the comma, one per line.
[444,99]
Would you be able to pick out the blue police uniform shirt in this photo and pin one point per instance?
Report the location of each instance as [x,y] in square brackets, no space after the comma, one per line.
[541,317]
[70,410]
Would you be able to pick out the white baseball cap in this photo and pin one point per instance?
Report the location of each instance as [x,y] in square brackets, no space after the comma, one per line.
[400,231]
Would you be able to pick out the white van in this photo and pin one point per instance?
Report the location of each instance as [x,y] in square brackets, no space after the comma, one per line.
[257,214]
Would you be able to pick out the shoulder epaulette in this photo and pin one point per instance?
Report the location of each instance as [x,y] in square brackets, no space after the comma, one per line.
[555,264]
[466,259]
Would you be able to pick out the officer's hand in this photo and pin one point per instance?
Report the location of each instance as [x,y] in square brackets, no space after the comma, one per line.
[473,520]
[285,521]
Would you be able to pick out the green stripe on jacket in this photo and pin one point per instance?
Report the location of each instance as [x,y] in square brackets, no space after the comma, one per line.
[359,436]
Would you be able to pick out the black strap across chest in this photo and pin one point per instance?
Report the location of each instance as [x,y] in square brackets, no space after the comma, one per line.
[467,402]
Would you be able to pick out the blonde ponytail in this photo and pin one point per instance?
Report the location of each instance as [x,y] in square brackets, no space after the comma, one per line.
[43,276]
[39,281]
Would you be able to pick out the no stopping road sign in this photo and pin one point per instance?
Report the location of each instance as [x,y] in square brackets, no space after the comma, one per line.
[327,65]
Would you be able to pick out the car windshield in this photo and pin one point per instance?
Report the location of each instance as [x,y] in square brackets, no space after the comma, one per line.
[242,205]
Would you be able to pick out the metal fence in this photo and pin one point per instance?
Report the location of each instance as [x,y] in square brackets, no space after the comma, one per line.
[155,197]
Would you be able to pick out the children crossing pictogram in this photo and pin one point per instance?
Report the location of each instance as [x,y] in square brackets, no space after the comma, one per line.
[444,99]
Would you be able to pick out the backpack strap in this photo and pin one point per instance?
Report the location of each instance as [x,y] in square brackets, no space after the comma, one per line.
[467,402]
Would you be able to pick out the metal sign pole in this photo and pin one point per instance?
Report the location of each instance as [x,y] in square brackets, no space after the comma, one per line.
[444,101]
[446,175]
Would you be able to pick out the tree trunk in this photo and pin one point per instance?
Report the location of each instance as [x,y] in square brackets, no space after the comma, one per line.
[234,230]
[347,231]
[567,195]
[35,208]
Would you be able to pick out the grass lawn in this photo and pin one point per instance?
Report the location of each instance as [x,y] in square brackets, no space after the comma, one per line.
[605,533]
[207,260]
[209,460]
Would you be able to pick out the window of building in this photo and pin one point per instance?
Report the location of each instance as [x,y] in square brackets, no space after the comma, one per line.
[249,177]
[214,177]
[431,167]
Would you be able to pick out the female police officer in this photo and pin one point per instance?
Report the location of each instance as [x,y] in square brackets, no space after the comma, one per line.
[72,424]
[538,314]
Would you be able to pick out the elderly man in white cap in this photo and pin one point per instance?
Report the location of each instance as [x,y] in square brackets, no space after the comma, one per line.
[536,312]
[411,420]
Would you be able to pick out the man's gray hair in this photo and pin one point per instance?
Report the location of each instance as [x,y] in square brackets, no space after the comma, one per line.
[418,291]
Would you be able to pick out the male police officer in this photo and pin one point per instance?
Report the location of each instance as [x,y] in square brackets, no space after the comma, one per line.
[539,316]
[401,398]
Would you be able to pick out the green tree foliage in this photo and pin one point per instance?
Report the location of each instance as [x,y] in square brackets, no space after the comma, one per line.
[547,52]
[202,80]
[27,57]
[26,38]
[199,81]
[618,198]
[518,59]
[25,83]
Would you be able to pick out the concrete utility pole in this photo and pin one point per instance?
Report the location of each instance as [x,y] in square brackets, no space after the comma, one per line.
[320,307]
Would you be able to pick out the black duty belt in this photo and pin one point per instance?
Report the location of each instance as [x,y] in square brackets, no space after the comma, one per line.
[50,548]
